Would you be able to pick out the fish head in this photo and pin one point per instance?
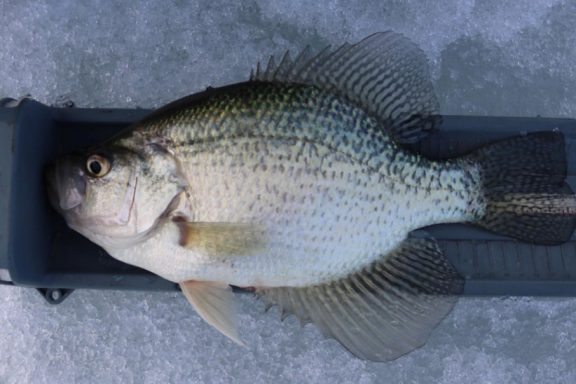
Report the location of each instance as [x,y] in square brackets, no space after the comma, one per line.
[116,195]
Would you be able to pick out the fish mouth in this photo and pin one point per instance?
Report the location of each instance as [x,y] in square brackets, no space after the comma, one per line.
[66,184]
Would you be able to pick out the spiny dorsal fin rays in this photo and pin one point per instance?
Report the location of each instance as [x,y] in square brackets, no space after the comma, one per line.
[300,60]
[214,302]
[385,310]
[270,68]
[285,65]
[386,74]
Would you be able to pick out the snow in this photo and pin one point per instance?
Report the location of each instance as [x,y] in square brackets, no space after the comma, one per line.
[487,57]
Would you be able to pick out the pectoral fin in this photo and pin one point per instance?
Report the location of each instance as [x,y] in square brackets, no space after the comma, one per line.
[385,310]
[214,303]
[222,239]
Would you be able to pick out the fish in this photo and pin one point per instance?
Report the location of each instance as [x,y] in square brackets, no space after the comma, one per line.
[301,184]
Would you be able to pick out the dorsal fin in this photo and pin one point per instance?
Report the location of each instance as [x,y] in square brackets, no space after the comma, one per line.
[386,74]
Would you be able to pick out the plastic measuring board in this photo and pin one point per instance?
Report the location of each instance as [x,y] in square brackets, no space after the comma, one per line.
[38,250]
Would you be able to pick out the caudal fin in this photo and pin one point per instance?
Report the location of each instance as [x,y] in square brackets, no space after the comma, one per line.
[527,197]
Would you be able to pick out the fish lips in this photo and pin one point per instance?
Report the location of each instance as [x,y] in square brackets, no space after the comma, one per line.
[66,183]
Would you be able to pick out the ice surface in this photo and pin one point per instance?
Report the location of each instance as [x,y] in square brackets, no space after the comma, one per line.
[488,57]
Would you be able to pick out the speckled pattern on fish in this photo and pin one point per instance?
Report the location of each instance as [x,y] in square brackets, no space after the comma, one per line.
[332,189]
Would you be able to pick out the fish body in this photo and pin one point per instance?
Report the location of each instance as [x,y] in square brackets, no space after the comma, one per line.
[316,172]
[298,185]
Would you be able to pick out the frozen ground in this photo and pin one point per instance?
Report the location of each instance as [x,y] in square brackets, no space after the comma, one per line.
[488,57]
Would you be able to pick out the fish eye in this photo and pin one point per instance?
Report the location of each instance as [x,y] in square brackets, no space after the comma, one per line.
[97,166]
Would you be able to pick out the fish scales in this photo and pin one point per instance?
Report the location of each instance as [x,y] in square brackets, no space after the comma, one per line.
[255,143]
[297,112]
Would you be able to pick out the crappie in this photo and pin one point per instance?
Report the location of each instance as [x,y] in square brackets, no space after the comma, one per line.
[297,184]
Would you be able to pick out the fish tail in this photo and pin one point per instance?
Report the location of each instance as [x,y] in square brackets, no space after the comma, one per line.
[524,187]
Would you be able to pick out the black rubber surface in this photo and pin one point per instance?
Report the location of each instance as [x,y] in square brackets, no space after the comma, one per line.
[38,250]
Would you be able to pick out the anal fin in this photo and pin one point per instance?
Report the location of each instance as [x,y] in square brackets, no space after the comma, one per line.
[385,310]
[214,303]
